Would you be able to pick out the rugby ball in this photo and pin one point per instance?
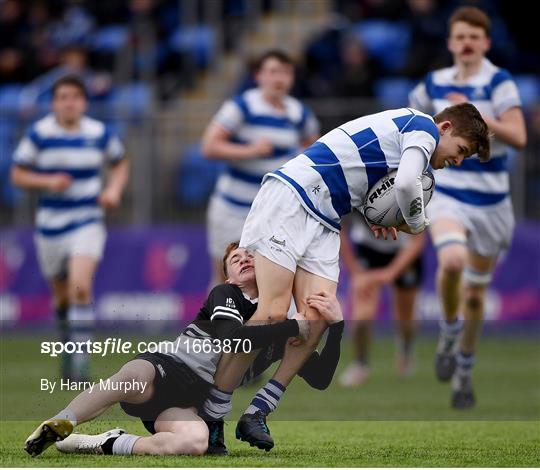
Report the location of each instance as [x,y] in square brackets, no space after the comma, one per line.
[381,207]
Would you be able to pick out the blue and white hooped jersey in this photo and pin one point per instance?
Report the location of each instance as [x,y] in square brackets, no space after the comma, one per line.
[493,92]
[250,118]
[49,148]
[334,175]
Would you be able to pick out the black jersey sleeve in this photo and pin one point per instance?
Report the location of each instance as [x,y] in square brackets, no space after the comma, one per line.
[227,309]
[225,303]
[259,335]
[319,369]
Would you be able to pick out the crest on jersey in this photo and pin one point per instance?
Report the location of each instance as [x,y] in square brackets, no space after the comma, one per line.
[478,93]
[229,303]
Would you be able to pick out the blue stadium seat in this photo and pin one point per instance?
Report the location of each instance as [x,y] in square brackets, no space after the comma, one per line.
[387,41]
[199,41]
[8,127]
[109,39]
[133,100]
[10,97]
[529,89]
[196,177]
[393,92]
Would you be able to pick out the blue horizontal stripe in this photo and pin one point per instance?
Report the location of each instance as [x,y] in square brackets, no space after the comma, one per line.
[272,394]
[261,404]
[270,121]
[500,77]
[328,166]
[307,200]
[45,143]
[233,200]
[371,154]
[53,232]
[408,123]
[58,203]
[78,174]
[243,176]
[473,93]
[494,165]
[470,196]
[277,152]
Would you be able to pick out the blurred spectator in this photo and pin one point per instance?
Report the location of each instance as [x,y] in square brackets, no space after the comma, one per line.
[73,61]
[12,24]
[427,21]
[359,70]
[323,59]
[12,66]
[357,10]
[532,163]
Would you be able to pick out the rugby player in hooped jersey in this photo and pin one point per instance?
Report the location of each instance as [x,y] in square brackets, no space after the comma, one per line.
[471,211]
[255,132]
[294,222]
[62,156]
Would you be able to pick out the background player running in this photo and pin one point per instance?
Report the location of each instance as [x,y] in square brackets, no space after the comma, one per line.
[254,132]
[294,222]
[62,156]
[471,211]
[373,263]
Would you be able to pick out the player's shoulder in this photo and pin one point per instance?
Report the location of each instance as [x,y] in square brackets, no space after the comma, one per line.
[43,127]
[495,75]
[222,291]
[443,76]
[296,109]
[247,97]
[93,127]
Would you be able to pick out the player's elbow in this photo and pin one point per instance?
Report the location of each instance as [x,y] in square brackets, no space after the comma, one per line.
[321,384]
[17,176]
[209,149]
[520,140]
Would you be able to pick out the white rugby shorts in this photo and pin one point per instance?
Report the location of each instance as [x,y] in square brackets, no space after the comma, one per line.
[489,228]
[53,253]
[280,229]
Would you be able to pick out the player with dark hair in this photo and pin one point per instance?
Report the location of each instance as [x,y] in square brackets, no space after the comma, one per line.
[471,211]
[62,156]
[294,223]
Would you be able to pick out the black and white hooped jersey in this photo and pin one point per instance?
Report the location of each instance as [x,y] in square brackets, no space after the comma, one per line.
[334,175]
[225,303]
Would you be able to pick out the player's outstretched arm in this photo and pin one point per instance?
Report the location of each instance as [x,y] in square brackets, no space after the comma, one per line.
[216,145]
[261,335]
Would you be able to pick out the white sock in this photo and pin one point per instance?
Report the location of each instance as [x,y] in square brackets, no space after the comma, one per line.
[123,445]
[67,414]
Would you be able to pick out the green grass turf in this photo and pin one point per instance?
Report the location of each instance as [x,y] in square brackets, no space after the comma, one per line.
[388,422]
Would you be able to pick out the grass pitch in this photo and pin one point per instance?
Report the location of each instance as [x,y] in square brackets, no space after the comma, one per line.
[388,422]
